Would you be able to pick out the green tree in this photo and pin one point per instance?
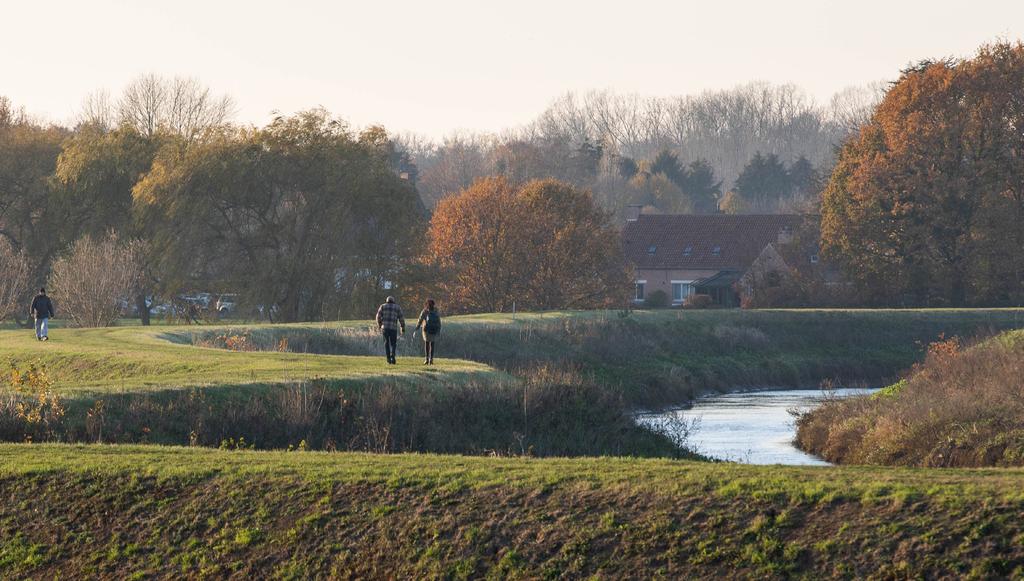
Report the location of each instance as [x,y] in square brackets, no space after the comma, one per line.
[587,158]
[667,164]
[28,155]
[296,215]
[804,179]
[627,167]
[763,182]
[702,188]
[96,172]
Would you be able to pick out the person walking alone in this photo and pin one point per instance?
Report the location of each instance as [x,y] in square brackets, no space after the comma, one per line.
[390,320]
[429,325]
[41,311]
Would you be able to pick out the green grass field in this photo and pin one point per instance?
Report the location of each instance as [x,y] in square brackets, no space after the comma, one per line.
[507,383]
[95,361]
[698,349]
[112,511]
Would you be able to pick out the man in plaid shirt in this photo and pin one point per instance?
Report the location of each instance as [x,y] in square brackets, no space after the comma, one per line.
[390,320]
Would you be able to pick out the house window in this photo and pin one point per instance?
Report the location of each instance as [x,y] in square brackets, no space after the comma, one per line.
[688,251]
[651,250]
[716,251]
[680,290]
[639,296]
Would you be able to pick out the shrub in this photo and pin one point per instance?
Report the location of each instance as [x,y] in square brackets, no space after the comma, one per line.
[961,407]
[30,407]
[656,300]
[15,267]
[697,302]
[90,284]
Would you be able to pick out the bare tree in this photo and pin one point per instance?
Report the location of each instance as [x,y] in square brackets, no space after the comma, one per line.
[97,110]
[192,109]
[852,107]
[455,165]
[6,111]
[143,103]
[724,128]
[182,106]
[93,282]
[16,270]
[11,115]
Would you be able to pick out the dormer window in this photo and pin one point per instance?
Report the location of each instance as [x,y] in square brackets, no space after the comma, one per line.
[814,259]
[688,251]
[651,250]
[785,235]
[716,251]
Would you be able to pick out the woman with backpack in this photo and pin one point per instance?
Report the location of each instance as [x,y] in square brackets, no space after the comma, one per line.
[429,325]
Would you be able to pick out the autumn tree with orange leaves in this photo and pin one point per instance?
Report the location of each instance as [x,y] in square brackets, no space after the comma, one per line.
[926,203]
[544,245]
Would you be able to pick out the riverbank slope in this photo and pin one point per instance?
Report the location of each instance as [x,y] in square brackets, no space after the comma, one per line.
[658,358]
[962,406]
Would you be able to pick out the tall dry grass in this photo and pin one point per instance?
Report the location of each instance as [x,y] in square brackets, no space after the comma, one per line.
[548,411]
[960,407]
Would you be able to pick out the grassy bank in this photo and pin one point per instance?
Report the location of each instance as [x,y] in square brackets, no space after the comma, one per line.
[550,384]
[960,407]
[102,511]
[666,357]
[649,355]
[154,386]
[97,362]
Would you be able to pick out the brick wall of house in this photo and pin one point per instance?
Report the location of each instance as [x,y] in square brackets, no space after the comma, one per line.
[662,279]
[769,261]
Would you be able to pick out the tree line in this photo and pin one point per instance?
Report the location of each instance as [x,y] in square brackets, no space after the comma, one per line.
[304,216]
[589,139]
[313,219]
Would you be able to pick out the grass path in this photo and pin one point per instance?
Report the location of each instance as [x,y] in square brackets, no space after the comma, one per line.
[85,361]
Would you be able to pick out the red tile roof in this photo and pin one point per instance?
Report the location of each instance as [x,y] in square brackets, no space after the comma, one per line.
[739,238]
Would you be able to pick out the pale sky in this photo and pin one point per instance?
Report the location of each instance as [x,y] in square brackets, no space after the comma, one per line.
[432,67]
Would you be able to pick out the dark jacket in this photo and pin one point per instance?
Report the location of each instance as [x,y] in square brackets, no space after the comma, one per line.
[42,307]
[422,322]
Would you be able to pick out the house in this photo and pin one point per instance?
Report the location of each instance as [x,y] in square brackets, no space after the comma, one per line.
[710,254]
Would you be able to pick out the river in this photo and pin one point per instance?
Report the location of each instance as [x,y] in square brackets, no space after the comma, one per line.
[753,427]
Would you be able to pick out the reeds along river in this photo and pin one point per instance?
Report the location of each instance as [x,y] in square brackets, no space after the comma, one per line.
[755,427]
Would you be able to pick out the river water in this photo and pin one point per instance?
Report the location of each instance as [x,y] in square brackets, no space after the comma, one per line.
[752,427]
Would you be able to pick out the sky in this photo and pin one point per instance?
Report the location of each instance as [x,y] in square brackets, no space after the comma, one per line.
[434,67]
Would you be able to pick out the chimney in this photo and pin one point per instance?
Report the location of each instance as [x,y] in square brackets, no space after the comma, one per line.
[785,235]
[633,212]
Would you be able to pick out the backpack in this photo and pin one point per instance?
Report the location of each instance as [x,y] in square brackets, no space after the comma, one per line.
[432,325]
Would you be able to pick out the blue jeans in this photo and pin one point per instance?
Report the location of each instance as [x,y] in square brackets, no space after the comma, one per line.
[42,326]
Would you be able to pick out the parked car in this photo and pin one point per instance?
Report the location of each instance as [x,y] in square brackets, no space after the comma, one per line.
[227,304]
